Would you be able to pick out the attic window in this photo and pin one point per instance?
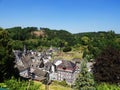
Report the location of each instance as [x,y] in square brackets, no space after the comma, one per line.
[64,67]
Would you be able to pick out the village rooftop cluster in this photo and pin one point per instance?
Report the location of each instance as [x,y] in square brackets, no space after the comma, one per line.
[39,66]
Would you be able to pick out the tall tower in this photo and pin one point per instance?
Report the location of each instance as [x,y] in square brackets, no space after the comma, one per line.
[25,50]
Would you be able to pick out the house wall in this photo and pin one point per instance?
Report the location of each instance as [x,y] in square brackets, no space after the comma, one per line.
[64,75]
[24,73]
[53,76]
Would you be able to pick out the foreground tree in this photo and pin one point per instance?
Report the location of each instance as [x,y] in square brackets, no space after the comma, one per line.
[85,80]
[107,66]
[6,57]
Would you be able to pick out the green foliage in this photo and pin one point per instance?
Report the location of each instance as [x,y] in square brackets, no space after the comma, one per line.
[18,33]
[62,83]
[3,85]
[16,44]
[14,84]
[57,38]
[85,81]
[105,86]
[6,57]
[67,49]
[94,41]
[85,40]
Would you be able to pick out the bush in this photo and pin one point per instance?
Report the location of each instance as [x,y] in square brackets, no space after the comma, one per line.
[62,83]
[14,84]
[105,86]
[67,49]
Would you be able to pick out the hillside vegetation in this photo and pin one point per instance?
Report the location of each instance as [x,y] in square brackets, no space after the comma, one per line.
[90,43]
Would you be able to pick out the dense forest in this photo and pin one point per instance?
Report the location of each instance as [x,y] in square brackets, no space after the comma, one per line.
[92,44]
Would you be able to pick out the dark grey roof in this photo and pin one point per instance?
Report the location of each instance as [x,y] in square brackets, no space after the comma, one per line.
[26,61]
[40,73]
[40,78]
[21,68]
[41,64]
[48,66]
[67,64]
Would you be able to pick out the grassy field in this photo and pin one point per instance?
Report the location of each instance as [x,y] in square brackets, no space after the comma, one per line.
[68,56]
[59,87]
[52,86]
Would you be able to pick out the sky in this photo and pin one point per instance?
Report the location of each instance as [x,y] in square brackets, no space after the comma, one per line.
[74,16]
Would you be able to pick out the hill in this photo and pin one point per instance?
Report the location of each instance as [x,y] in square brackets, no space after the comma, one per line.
[91,43]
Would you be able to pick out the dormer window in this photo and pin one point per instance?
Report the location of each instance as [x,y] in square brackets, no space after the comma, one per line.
[64,67]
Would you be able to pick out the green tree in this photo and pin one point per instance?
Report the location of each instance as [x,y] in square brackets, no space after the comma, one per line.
[85,80]
[67,49]
[16,44]
[85,40]
[107,66]
[6,57]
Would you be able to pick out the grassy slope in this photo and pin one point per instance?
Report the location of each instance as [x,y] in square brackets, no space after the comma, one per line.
[69,55]
[58,87]
[53,86]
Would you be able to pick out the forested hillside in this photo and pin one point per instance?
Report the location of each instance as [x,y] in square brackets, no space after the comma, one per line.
[34,38]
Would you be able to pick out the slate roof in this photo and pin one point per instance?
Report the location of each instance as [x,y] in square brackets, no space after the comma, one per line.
[66,65]
[39,78]
[26,61]
[40,73]
[48,66]
[21,68]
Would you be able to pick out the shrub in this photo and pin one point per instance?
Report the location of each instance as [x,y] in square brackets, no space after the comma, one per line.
[67,49]
[106,86]
[14,84]
[62,83]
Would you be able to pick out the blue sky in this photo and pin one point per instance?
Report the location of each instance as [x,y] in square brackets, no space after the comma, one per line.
[71,15]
